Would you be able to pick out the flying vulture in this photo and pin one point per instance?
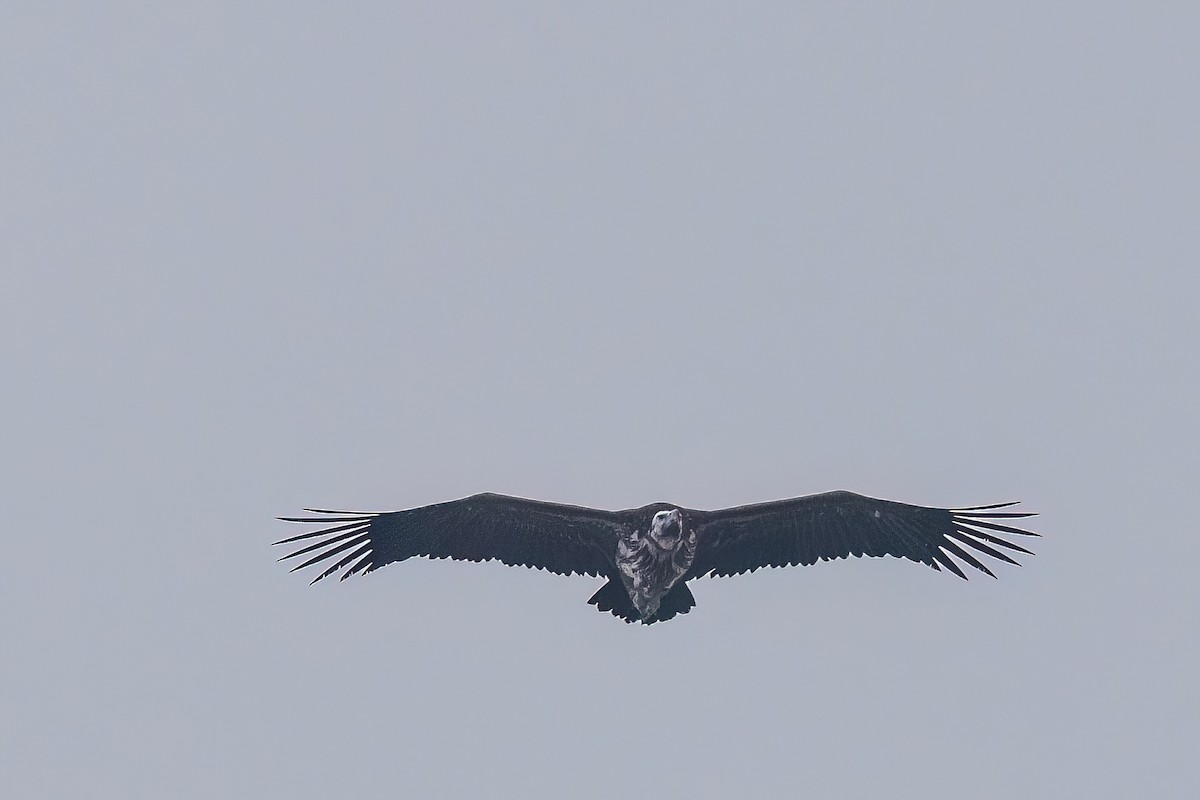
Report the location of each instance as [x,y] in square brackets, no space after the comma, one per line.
[649,554]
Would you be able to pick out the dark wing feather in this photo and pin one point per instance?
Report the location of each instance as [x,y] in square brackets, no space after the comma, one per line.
[559,538]
[804,530]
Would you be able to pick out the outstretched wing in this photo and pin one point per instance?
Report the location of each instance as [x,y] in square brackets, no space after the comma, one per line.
[559,538]
[842,524]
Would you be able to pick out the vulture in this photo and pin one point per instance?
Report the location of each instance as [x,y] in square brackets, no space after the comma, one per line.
[649,554]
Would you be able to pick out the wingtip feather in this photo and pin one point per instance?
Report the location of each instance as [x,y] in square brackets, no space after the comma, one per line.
[988,506]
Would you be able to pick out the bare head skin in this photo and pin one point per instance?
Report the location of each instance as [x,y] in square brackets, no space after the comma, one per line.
[666,528]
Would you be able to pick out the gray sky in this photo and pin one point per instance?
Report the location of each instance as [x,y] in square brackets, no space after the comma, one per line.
[375,258]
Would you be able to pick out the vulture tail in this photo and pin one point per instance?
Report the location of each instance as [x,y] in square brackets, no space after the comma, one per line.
[612,597]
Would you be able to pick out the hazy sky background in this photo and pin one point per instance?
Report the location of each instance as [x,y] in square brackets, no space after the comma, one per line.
[258,258]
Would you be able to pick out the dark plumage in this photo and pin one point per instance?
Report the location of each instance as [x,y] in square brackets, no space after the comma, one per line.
[648,554]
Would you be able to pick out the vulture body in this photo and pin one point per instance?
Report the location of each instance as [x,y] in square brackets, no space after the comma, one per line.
[649,554]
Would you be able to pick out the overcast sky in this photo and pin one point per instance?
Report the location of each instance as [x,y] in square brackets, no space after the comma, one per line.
[260,258]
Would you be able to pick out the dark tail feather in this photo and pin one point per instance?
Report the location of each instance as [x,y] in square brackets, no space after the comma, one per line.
[613,598]
[678,601]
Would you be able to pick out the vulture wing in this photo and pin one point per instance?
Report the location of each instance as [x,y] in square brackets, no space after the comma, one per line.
[560,538]
[842,524]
